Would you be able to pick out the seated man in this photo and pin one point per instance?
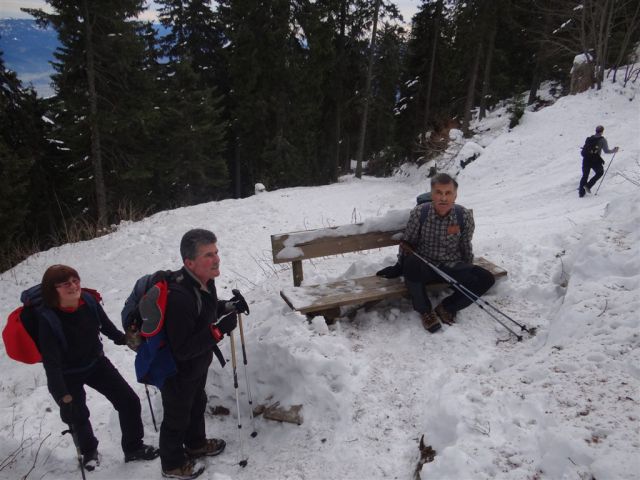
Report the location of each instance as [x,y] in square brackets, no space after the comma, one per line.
[441,233]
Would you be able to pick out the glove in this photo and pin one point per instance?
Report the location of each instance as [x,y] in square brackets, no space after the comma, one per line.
[237,303]
[66,412]
[132,337]
[225,325]
[390,272]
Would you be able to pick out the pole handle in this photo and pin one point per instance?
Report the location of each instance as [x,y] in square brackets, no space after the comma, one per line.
[244,350]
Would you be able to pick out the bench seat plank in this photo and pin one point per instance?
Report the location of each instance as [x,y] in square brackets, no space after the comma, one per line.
[315,298]
[318,298]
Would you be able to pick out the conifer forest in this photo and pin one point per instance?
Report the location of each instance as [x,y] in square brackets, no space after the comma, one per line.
[218,96]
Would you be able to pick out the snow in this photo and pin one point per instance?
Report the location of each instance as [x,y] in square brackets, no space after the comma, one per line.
[392,220]
[563,404]
[581,58]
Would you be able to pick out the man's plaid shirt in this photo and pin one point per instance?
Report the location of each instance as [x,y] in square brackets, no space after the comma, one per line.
[434,242]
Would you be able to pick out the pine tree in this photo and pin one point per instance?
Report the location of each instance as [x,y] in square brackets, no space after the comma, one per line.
[16,153]
[193,121]
[27,170]
[102,90]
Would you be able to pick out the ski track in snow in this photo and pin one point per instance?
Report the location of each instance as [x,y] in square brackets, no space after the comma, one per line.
[563,404]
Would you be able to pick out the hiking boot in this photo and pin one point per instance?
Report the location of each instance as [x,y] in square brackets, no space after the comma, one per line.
[145,452]
[446,316]
[211,448]
[187,471]
[430,322]
[581,192]
[91,461]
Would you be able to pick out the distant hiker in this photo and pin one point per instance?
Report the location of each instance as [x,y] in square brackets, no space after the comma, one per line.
[441,232]
[195,322]
[591,160]
[72,356]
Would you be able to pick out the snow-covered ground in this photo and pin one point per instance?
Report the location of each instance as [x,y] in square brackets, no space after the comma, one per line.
[561,404]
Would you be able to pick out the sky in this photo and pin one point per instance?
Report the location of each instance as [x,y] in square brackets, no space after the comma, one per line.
[11,8]
[562,404]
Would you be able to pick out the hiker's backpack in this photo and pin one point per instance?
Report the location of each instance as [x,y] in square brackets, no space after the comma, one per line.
[591,147]
[20,335]
[144,313]
[425,199]
[154,360]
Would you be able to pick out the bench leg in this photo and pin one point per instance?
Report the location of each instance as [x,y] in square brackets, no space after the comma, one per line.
[296,268]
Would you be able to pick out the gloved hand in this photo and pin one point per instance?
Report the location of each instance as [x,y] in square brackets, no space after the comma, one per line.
[237,303]
[227,323]
[133,339]
[66,412]
[390,272]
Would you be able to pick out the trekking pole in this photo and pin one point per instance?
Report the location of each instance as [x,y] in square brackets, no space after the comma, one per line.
[254,433]
[243,461]
[470,295]
[153,417]
[74,436]
[605,172]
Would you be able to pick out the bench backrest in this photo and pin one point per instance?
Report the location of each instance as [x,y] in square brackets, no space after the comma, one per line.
[307,244]
[377,232]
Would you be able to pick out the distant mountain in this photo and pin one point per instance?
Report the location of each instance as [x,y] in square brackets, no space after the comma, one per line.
[27,50]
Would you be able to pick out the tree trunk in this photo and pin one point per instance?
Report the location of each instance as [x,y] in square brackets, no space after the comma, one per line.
[436,36]
[538,73]
[487,67]
[237,174]
[367,93]
[631,26]
[471,90]
[96,151]
[337,128]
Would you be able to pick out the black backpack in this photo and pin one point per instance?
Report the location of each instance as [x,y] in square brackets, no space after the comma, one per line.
[591,147]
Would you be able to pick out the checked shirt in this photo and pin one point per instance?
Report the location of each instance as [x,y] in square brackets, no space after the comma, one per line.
[439,241]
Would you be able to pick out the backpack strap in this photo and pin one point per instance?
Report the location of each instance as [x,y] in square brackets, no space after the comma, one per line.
[32,297]
[459,211]
[91,298]
[54,322]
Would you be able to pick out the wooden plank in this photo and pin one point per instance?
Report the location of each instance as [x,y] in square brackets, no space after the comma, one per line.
[492,267]
[317,298]
[323,242]
[314,298]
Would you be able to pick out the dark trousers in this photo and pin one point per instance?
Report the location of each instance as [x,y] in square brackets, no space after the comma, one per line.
[591,163]
[184,401]
[417,274]
[104,378]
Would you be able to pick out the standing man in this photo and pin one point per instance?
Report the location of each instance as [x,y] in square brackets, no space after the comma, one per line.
[591,160]
[195,322]
[441,232]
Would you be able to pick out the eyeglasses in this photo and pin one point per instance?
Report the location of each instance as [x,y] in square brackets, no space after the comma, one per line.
[68,283]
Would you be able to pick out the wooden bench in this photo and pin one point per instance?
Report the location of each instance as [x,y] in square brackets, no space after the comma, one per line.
[326,299]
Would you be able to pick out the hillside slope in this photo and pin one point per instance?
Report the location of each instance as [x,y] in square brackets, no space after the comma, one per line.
[563,404]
